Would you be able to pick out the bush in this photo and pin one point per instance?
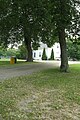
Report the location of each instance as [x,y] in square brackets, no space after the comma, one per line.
[52,55]
[73,51]
[44,57]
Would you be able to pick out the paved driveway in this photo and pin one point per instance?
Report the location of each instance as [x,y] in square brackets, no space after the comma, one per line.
[7,72]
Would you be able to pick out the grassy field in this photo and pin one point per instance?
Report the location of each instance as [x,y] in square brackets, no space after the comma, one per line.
[7,61]
[48,95]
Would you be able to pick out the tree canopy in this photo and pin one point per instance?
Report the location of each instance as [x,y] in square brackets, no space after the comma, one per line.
[41,20]
[25,20]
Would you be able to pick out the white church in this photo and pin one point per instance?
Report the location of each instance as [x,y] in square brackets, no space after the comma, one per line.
[37,54]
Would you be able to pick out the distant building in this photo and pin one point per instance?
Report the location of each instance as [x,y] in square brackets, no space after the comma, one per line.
[37,54]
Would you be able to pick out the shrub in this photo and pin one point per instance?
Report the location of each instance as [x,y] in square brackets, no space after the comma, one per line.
[44,57]
[52,55]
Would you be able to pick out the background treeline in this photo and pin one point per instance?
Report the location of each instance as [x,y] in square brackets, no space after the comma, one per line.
[20,53]
[73,51]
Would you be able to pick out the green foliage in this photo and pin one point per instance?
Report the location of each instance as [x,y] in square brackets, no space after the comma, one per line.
[36,21]
[22,52]
[26,18]
[44,57]
[73,51]
[35,45]
[2,51]
[52,55]
[11,52]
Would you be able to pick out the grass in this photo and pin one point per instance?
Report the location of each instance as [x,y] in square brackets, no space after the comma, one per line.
[48,95]
[7,61]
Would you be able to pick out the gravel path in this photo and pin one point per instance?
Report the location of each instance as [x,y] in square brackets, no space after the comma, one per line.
[7,72]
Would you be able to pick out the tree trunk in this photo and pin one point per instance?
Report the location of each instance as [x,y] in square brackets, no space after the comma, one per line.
[29,49]
[64,58]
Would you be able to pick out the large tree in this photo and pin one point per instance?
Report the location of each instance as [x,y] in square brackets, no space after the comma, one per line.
[31,21]
[23,20]
[63,13]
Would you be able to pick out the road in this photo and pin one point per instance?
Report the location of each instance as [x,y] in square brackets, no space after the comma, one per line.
[7,72]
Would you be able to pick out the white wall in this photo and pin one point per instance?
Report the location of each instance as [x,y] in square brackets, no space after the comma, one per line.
[57,51]
[37,54]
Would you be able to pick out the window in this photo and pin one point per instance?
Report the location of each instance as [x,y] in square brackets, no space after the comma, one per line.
[39,54]
[34,54]
[57,46]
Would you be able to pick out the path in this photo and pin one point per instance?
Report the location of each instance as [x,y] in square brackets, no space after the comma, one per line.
[7,72]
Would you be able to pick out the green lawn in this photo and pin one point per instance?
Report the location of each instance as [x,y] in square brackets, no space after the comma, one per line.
[48,95]
[7,61]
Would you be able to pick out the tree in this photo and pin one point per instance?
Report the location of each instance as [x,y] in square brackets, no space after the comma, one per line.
[2,51]
[10,52]
[39,20]
[27,20]
[52,55]
[63,13]
[44,57]
[22,52]
[73,51]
